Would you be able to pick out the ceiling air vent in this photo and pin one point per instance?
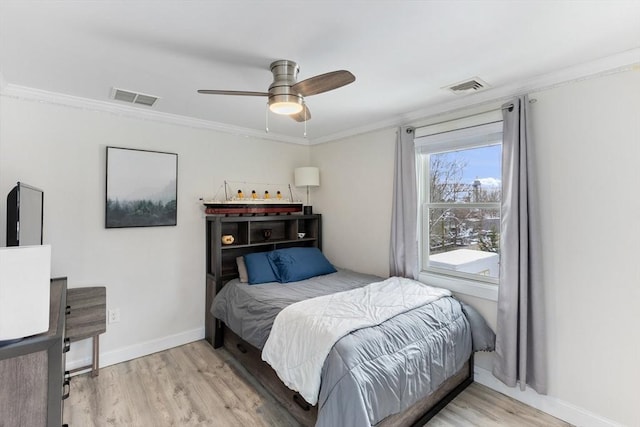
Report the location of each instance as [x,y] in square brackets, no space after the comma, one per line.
[133,97]
[471,85]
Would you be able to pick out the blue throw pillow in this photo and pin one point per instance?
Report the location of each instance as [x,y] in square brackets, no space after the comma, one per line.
[294,264]
[259,268]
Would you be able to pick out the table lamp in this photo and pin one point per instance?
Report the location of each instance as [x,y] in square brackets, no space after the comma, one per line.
[308,176]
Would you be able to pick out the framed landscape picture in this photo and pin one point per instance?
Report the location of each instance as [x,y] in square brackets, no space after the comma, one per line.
[142,188]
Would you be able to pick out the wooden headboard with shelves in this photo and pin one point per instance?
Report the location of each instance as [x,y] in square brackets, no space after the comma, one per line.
[250,235]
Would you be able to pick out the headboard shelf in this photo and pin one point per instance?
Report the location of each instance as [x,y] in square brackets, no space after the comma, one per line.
[250,234]
[273,244]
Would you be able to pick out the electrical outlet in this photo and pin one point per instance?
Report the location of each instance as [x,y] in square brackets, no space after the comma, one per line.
[114,315]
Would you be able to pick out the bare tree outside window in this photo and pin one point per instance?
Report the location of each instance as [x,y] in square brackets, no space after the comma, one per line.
[462,212]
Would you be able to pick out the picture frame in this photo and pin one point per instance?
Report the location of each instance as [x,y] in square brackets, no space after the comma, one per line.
[141,188]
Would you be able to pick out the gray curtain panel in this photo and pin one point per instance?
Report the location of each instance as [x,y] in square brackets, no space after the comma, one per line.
[403,254]
[521,354]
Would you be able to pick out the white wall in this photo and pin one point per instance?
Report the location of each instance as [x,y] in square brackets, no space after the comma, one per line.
[587,157]
[356,182]
[155,275]
[587,149]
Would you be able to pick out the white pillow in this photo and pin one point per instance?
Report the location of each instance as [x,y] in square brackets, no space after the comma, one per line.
[242,270]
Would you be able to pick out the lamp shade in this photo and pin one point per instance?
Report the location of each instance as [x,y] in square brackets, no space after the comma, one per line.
[25,274]
[308,175]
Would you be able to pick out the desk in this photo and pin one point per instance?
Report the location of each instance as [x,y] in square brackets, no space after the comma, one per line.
[87,315]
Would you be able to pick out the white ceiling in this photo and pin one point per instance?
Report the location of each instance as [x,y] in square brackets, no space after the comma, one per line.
[402,52]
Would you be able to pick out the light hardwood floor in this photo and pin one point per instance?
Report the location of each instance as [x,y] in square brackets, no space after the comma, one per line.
[194,385]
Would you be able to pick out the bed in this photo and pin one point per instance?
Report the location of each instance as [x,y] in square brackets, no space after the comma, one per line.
[399,372]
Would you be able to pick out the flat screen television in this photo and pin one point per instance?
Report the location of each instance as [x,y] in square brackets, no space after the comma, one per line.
[25,214]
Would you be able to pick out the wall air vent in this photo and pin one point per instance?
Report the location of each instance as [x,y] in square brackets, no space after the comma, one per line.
[133,97]
[471,85]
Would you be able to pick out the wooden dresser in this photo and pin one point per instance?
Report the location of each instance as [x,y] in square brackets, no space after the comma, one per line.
[33,382]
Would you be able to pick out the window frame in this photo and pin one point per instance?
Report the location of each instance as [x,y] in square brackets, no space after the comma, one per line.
[469,284]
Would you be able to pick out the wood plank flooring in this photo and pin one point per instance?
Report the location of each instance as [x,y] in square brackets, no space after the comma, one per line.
[195,385]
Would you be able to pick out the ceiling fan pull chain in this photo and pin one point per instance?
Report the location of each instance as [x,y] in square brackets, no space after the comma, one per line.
[266,119]
[305,119]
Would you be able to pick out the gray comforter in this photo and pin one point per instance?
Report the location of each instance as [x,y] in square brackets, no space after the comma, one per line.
[370,373]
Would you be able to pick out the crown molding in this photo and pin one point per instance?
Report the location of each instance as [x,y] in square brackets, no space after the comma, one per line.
[623,61]
[54,98]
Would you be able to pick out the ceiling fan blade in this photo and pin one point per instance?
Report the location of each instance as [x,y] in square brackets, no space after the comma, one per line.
[231,92]
[323,82]
[302,116]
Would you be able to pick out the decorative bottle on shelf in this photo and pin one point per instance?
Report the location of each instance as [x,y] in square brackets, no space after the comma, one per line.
[266,194]
[278,195]
[240,194]
[254,195]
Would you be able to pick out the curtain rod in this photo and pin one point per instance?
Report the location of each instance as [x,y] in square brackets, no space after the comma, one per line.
[506,107]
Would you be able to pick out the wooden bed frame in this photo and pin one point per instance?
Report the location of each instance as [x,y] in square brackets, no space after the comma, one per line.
[416,415]
[221,269]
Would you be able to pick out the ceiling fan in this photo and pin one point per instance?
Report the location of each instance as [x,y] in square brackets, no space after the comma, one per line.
[286,94]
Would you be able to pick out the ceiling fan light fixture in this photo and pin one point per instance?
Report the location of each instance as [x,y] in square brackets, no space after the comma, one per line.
[286,108]
[286,94]
[285,104]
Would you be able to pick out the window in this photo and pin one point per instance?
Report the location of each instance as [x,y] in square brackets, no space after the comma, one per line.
[459,174]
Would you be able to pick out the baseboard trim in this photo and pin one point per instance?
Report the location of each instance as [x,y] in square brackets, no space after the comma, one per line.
[549,404]
[139,350]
